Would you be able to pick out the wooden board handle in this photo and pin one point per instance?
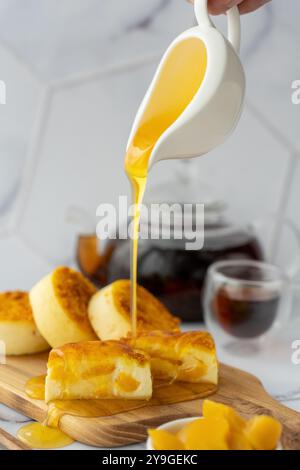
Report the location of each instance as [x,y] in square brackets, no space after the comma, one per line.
[291,426]
[10,442]
[247,395]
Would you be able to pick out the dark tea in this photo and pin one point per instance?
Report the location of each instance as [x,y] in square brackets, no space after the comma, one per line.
[173,274]
[245,312]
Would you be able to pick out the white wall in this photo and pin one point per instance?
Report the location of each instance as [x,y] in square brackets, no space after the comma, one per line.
[76,71]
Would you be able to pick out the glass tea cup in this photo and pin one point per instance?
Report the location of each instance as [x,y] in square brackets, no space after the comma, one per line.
[244,302]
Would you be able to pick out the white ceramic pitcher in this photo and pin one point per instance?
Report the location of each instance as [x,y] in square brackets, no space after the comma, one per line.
[214,111]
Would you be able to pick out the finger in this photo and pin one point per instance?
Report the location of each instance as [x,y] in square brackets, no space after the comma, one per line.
[250,5]
[217,7]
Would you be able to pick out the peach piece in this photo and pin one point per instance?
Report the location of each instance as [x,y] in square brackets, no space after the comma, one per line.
[238,441]
[211,409]
[263,432]
[127,383]
[164,440]
[221,428]
[205,434]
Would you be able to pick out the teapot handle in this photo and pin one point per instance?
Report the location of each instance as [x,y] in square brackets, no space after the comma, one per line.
[292,269]
[234,21]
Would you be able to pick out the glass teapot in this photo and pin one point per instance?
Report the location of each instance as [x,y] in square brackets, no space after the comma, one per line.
[176,275]
[166,268]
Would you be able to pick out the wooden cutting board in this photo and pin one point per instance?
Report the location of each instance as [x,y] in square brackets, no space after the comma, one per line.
[237,388]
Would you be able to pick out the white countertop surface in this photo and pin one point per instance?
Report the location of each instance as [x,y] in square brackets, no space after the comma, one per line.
[273,366]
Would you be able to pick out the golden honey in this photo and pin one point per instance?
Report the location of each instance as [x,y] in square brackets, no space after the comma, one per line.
[180,79]
[40,436]
[35,387]
[43,435]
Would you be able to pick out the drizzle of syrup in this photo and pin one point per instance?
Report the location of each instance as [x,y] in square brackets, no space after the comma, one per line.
[163,394]
[41,436]
[180,79]
[48,434]
[35,387]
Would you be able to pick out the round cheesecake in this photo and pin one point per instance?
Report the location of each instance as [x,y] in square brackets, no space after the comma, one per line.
[59,303]
[109,312]
[18,331]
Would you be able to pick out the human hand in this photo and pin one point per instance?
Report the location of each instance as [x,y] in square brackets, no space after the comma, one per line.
[217,7]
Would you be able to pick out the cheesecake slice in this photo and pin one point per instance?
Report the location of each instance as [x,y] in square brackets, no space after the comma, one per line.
[59,303]
[109,312]
[186,357]
[98,369]
[18,331]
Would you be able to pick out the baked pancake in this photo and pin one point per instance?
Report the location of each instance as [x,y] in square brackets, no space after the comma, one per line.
[59,303]
[185,357]
[98,369]
[17,327]
[109,312]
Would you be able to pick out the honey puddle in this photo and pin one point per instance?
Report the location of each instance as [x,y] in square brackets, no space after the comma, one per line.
[40,436]
[36,435]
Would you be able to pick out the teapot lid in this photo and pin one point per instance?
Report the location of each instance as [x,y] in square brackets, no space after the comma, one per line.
[182,194]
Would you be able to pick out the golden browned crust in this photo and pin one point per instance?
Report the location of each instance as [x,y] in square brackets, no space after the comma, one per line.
[96,353]
[15,306]
[151,313]
[174,341]
[73,292]
[97,369]
[186,357]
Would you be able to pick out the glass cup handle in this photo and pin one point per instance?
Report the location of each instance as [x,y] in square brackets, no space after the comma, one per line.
[287,315]
[293,268]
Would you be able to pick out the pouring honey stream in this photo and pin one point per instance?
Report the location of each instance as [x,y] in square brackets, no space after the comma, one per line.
[180,79]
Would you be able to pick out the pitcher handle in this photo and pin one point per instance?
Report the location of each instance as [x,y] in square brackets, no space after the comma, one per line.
[234,21]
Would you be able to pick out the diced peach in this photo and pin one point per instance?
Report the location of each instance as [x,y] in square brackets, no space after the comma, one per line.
[238,441]
[221,428]
[263,432]
[205,434]
[164,440]
[194,374]
[211,409]
[127,383]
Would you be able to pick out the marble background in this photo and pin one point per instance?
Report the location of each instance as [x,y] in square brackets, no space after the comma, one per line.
[75,72]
